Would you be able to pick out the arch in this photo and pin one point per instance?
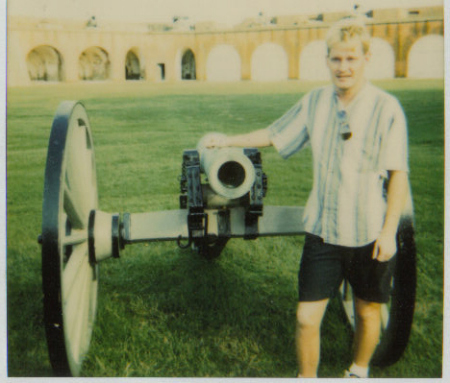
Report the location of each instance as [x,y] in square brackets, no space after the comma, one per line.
[269,63]
[382,60]
[223,64]
[94,64]
[44,63]
[133,68]
[313,63]
[426,57]
[188,71]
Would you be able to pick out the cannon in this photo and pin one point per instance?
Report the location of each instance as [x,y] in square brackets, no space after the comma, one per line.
[221,197]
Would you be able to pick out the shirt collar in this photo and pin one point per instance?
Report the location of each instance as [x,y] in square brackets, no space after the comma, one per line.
[350,105]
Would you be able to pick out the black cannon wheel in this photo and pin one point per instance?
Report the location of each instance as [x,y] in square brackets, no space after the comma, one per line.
[69,279]
[397,314]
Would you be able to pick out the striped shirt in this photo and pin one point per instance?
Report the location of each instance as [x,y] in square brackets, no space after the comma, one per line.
[347,204]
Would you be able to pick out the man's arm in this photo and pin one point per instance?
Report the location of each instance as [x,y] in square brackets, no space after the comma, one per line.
[256,139]
[386,245]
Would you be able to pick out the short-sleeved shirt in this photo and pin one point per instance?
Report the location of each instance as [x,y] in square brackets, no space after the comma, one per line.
[347,203]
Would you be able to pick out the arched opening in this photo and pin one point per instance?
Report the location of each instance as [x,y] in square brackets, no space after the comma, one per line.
[223,64]
[94,64]
[188,66]
[44,64]
[382,60]
[133,67]
[269,63]
[313,62]
[426,58]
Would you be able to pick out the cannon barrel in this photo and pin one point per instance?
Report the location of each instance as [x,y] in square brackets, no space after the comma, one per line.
[230,172]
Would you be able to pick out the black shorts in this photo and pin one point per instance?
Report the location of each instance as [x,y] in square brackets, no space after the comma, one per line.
[323,267]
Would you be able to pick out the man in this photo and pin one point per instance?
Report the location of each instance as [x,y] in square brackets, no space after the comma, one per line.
[358,137]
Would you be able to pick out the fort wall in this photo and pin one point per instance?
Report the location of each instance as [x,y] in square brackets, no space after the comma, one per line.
[257,49]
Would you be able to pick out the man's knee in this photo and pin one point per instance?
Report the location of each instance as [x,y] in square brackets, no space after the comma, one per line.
[368,311]
[310,314]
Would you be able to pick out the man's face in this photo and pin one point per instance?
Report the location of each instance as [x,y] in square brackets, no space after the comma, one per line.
[347,63]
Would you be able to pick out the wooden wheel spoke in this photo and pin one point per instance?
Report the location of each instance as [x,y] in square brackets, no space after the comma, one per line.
[384,315]
[76,214]
[84,322]
[76,237]
[76,309]
[80,173]
[74,267]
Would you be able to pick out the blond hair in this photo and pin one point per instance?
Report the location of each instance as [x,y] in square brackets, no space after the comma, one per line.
[348,29]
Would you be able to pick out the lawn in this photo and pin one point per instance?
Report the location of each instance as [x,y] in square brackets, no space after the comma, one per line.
[166,312]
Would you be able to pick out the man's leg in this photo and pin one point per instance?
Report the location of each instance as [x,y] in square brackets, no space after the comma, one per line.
[309,319]
[371,283]
[367,333]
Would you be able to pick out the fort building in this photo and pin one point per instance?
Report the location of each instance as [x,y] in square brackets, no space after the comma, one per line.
[405,43]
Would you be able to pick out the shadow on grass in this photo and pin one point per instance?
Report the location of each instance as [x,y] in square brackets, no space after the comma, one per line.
[27,348]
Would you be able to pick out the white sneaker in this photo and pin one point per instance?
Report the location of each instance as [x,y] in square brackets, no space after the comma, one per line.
[348,374]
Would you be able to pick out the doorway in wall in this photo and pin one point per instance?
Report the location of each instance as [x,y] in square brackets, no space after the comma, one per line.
[162,69]
[188,66]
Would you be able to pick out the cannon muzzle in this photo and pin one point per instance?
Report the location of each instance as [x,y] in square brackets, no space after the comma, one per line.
[230,172]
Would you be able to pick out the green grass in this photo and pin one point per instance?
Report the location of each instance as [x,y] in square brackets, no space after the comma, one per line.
[165,312]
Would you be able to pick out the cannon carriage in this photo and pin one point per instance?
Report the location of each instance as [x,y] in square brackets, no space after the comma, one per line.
[221,197]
